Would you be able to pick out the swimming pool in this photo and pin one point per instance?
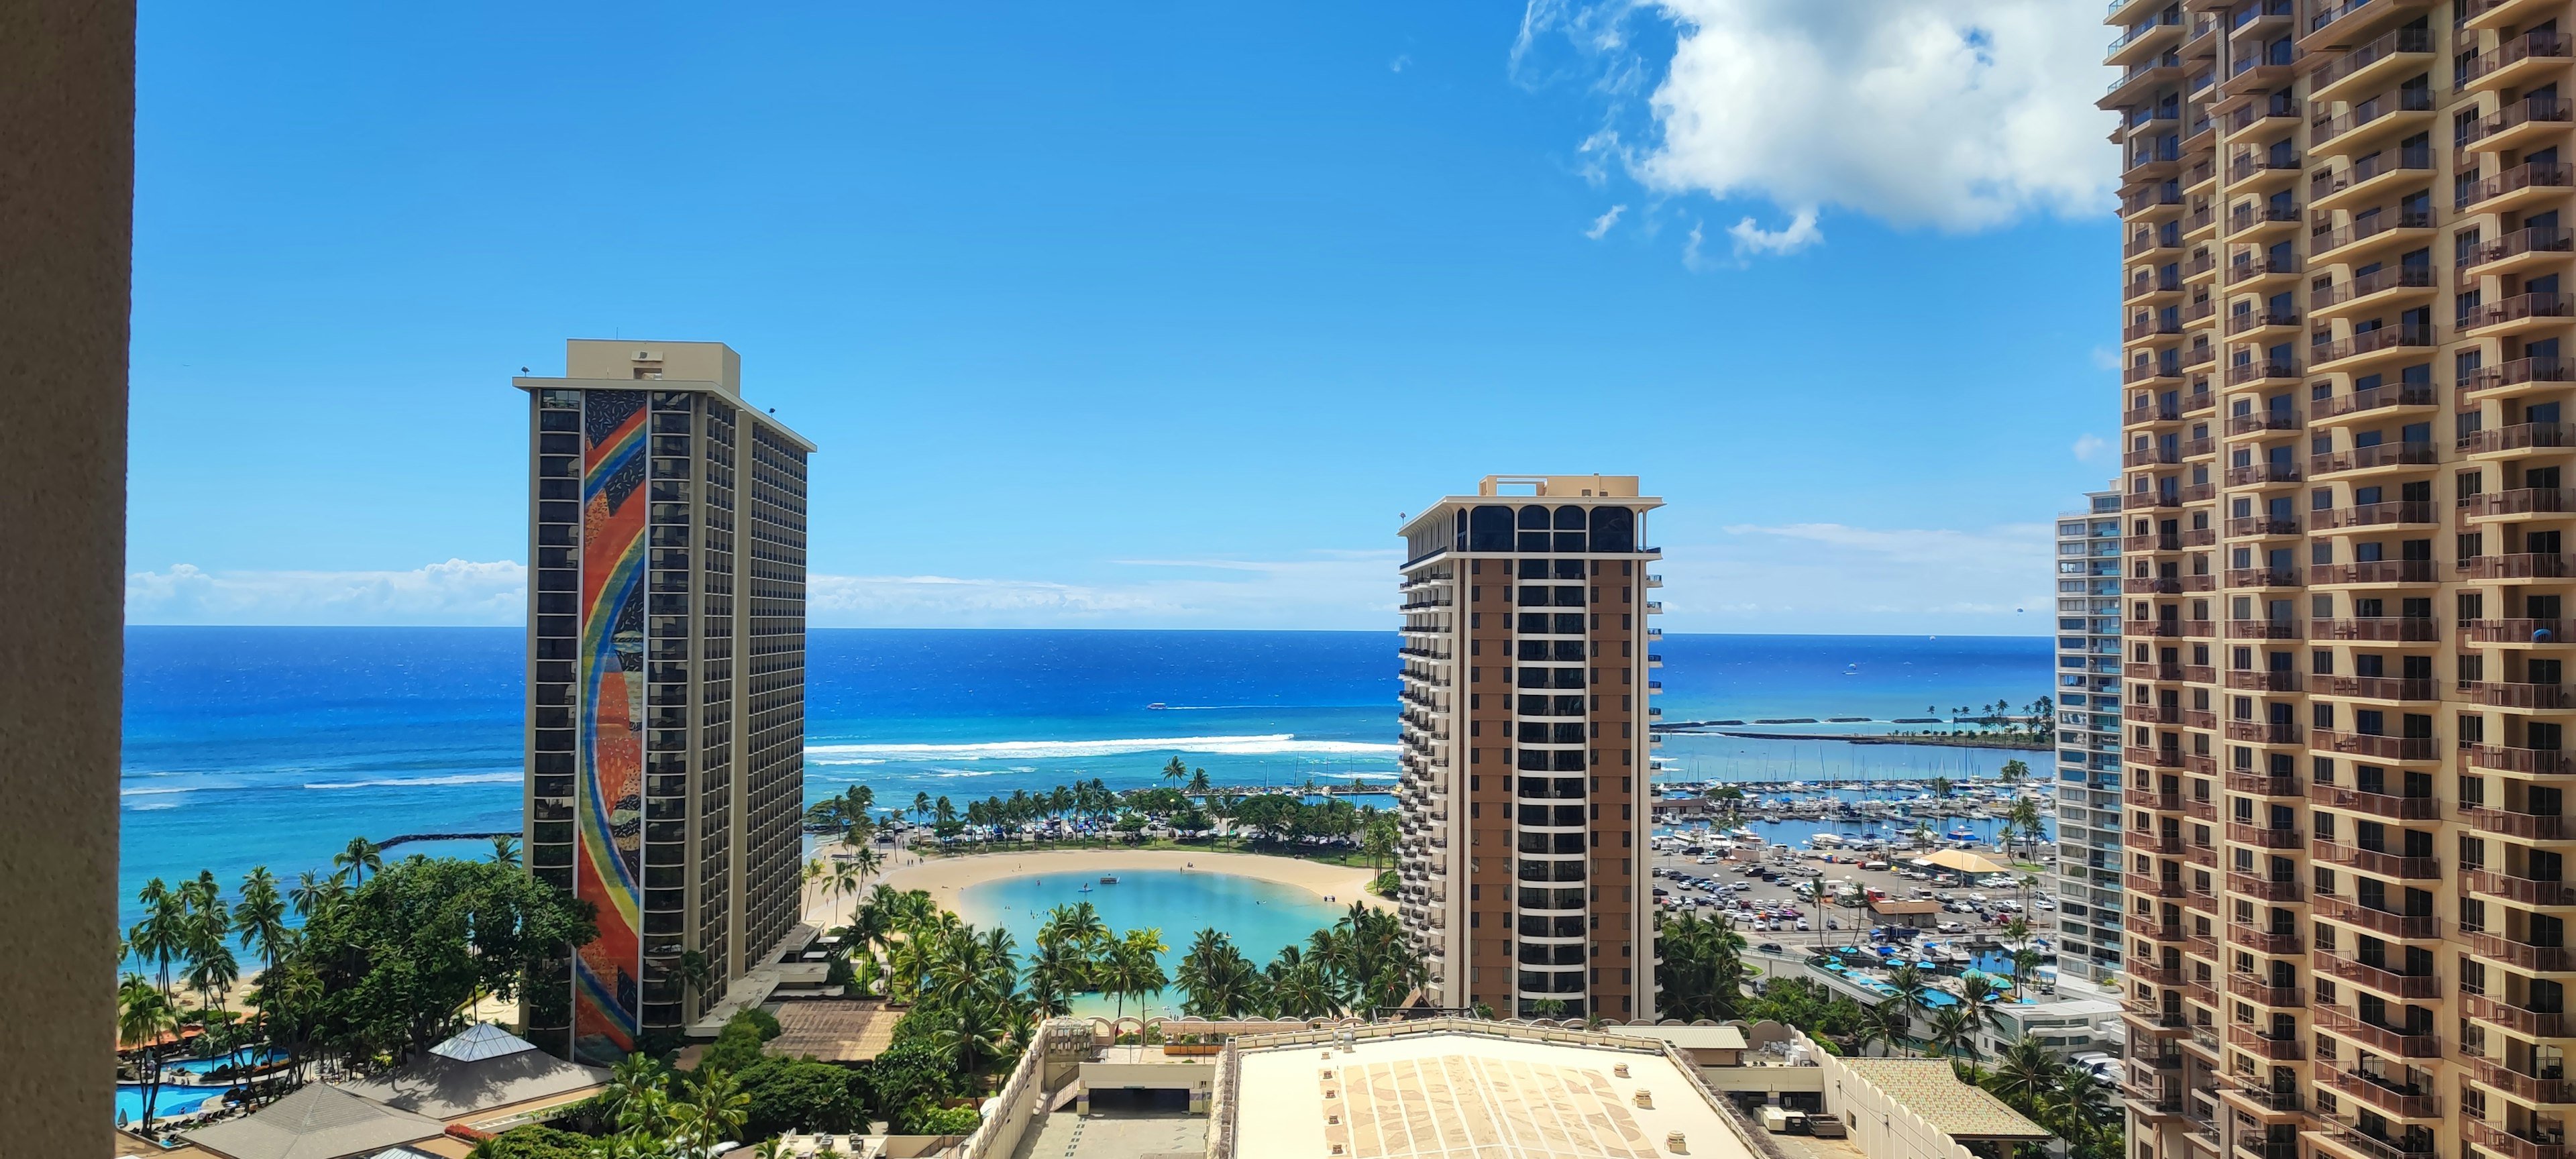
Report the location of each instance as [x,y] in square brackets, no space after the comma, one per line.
[173,1101]
[1261,917]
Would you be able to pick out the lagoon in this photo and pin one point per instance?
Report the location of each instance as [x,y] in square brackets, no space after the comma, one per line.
[1261,917]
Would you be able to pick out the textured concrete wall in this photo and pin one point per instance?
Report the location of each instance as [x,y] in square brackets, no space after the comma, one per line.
[66,249]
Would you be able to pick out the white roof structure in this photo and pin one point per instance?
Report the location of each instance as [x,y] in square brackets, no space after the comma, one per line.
[318,1121]
[481,1041]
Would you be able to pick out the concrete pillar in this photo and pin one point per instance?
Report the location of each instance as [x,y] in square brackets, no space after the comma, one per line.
[67,228]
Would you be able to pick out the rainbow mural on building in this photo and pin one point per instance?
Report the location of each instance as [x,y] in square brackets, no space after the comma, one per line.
[608,857]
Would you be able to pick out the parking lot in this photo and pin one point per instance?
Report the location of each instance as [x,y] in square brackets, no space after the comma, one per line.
[1756,902]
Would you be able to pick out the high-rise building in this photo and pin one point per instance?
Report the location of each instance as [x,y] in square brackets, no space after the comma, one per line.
[2346,497]
[666,680]
[2089,898]
[1528,665]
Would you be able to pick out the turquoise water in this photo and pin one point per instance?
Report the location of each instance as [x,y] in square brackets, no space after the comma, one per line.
[1260,916]
[173,1101]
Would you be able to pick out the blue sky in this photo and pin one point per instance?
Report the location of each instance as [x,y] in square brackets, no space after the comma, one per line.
[1136,315]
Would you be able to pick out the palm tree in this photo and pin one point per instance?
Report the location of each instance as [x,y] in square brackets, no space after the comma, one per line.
[633,1096]
[162,934]
[361,855]
[2014,770]
[945,813]
[1954,1032]
[2025,1073]
[505,850]
[1057,972]
[2025,962]
[144,1017]
[968,1036]
[1133,965]
[921,805]
[712,1111]
[869,861]
[313,892]
[1199,786]
[1907,979]
[1889,1023]
[1175,773]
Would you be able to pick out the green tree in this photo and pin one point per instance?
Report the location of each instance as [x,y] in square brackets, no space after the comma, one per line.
[420,940]
[799,1094]
[906,1073]
[358,860]
[505,851]
[144,1016]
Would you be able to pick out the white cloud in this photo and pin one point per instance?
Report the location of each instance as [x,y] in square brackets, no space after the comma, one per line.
[1800,233]
[2106,358]
[1602,224]
[455,592]
[2090,447]
[1957,114]
[1399,63]
[1691,259]
[1833,578]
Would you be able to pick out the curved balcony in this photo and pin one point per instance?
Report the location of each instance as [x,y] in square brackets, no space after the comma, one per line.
[2517,125]
[2389,806]
[2517,62]
[2371,176]
[2520,249]
[2551,1091]
[2395,1102]
[2261,1045]
[2514,694]
[2380,59]
[2253,989]
[2384,285]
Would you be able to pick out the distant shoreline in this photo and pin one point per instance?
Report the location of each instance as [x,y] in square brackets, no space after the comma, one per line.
[1956,742]
[946,877]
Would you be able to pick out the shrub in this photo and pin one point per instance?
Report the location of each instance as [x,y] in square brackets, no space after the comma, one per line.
[790,1094]
[925,1119]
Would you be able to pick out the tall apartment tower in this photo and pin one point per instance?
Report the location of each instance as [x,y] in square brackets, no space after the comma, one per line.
[2345,484]
[666,680]
[1527,760]
[2089,858]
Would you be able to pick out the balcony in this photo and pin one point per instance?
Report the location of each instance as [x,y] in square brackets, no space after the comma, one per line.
[2264,630]
[2383,340]
[2258,217]
[2525,1022]
[2514,60]
[2161,758]
[2400,629]
[2373,172]
[2520,248]
[2149,799]
[2380,979]
[2151,886]
[2382,688]
[2253,989]
[2522,890]
[2262,474]
[2503,1142]
[2262,577]
[2528,762]
[2499,13]
[2528,1088]
[2403,394]
[2520,501]
[2404,927]
[2188,673]
[2518,313]
[2165,843]
[2381,57]
[2323,129]
[2387,279]
[2377,862]
[2256,422]
[2263,836]
[2369,514]
[2392,1101]
[2512,823]
[2374,457]
[2390,748]
[2261,941]
[2518,437]
[2258,371]
[2261,1045]
[2290,891]
[2383,571]
[2523,955]
[2260,170]
[2171,630]
[2394,808]
[2260,527]
[2415,1145]
[2514,188]
[2250,323]
[2265,681]
[2515,631]
[2513,694]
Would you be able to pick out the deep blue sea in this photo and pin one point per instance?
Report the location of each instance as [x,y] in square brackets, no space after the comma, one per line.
[274,746]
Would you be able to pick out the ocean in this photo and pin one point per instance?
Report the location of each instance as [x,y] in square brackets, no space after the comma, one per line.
[274,746]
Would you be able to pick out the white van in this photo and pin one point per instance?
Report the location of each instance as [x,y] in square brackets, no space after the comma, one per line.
[1875,866]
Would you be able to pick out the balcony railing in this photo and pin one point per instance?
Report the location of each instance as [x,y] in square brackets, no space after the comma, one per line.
[2531,762]
[2385,571]
[2376,165]
[2255,1042]
[2531,1023]
[2379,978]
[2554,1089]
[2393,748]
[2530,175]
[2513,694]
[2401,276]
[2413,454]
[2375,398]
[2514,51]
[2372,514]
[2152,886]
[2264,836]
[2395,808]
[2418,1145]
[2262,577]
[2264,681]
[2521,501]
[2337,68]
[2520,307]
[2523,890]
[2373,341]
[2262,941]
[2515,631]
[2382,688]
[2521,565]
[2529,826]
[2504,1142]
[2404,927]
[2251,987]
[2377,862]
[2398,628]
[2514,114]
[2397,1102]
[2522,955]
[2538,239]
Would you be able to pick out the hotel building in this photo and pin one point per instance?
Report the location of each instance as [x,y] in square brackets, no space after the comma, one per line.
[2090,902]
[2345,494]
[1528,669]
[666,680]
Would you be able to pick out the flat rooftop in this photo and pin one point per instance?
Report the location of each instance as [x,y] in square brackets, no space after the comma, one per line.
[1472,1096]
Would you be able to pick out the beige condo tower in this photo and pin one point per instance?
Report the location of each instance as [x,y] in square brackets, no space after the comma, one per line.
[1527,761]
[666,682]
[2345,496]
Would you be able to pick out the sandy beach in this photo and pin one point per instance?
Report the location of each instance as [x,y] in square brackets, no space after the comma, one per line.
[943,877]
